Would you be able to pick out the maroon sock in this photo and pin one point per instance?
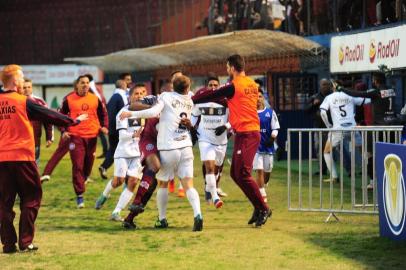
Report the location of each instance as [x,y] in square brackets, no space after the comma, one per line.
[147,180]
[130,217]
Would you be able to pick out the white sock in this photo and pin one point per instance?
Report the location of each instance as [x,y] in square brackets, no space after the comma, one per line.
[180,185]
[263,192]
[162,202]
[329,160]
[108,189]
[194,201]
[211,186]
[124,199]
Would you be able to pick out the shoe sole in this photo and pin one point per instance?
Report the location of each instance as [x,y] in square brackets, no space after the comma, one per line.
[104,176]
[219,204]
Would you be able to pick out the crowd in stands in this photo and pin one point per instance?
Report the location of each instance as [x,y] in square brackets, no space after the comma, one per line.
[301,17]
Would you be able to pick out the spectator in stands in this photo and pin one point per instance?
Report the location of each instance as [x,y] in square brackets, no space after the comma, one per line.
[320,19]
[243,14]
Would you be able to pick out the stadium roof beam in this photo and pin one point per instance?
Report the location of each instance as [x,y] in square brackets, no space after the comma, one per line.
[252,44]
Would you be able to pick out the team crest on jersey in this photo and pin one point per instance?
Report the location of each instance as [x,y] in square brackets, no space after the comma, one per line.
[72,146]
[150,147]
[267,114]
[85,107]
[133,122]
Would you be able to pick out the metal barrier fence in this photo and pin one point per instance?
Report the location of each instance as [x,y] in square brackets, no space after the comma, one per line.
[353,149]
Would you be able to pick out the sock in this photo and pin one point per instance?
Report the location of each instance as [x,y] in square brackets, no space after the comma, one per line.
[150,192]
[180,185]
[162,202]
[211,186]
[194,200]
[329,159]
[146,180]
[130,217]
[124,199]
[108,189]
[263,192]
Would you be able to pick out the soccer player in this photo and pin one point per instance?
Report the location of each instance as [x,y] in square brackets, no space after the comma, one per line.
[382,102]
[242,99]
[212,122]
[126,158]
[150,160]
[117,101]
[83,137]
[18,170]
[342,111]
[263,161]
[175,146]
[36,125]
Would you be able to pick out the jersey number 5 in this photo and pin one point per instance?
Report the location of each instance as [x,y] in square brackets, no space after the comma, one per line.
[343,113]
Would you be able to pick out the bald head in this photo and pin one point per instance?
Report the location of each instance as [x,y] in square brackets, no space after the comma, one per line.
[325,86]
[121,84]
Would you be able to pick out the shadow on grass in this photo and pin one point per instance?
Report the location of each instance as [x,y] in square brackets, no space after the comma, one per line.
[371,251]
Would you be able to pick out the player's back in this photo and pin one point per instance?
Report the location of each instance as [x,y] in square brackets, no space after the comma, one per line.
[342,109]
[171,133]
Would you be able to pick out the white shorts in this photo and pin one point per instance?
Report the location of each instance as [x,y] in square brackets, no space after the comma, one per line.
[128,166]
[263,162]
[338,136]
[177,162]
[214,152]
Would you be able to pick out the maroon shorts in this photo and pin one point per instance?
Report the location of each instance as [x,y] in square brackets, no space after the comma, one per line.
[147,148]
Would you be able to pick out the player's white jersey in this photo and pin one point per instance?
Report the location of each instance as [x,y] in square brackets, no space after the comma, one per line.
[211,115]
[341,108]
[172,134]
[171,107]
[127,145]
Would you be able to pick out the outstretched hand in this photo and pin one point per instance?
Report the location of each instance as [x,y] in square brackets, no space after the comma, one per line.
[125,115]
[82,117]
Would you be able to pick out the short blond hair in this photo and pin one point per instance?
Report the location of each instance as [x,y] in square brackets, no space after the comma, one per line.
[9,72]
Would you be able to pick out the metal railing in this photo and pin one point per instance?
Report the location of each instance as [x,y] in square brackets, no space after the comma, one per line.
[354,150]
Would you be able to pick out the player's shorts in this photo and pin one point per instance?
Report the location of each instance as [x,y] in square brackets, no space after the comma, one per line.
[336,137]
[147,147]
[176,162]
[263,161]
[214,152]
[128,166]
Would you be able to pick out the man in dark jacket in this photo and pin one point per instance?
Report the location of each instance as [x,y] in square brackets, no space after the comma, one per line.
[313,108]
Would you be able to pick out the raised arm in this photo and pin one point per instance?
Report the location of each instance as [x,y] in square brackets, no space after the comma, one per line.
[45,115]
[226,91]
[154,111]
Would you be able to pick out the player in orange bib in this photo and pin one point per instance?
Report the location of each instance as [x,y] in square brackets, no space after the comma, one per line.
[242,97]
[18,170]
[83,137]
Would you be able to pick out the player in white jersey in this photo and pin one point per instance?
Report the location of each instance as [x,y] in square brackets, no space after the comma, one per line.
[126,158]
[175,145]
[211,120]
[342,113]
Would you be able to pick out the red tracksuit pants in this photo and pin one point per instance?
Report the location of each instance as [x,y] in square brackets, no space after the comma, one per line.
[82,153]
[22,178]
[60,152]
[245,146]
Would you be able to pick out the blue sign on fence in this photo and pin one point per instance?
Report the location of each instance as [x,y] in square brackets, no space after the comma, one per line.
[390,161]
